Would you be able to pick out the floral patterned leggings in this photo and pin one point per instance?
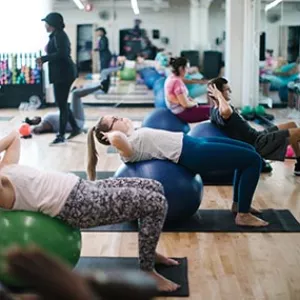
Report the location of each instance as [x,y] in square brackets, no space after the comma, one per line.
[116,200]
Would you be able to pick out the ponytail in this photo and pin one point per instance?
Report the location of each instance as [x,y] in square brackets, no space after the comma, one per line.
[92,155]
[177,63]
[172,60]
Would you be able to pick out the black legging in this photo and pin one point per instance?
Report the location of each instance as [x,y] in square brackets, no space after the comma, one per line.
[61,93]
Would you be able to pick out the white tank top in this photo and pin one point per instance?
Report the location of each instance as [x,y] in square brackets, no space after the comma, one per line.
[37,190]
[150,143]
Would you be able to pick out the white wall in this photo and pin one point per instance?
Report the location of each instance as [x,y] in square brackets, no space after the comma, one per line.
[290,17]
[21,29]
[172,23]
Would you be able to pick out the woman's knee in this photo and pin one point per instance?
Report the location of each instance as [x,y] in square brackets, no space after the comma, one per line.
[156,186]
[159,203]
[254,159]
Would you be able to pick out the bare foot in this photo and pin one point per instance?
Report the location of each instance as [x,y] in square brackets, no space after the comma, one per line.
[249,220]
[234,209]
[163,284]
[160,259]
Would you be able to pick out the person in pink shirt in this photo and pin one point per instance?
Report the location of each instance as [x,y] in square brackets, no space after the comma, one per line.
[177,98]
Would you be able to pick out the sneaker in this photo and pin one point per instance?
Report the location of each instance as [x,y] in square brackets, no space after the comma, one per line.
[33,121]
[122,65]
[266,168]
[297,169]
[58,140]
[74,133]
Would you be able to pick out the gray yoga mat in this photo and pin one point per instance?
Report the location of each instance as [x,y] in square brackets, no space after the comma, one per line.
[6,118]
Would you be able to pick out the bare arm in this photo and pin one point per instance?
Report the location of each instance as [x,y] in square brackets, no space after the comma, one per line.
[287,74]
[11,145]
[194,81]
[120,141]
[220,102]
[224,108]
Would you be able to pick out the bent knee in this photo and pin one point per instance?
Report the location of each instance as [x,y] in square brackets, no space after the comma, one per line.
[294,133]
[254,159]
[292,125]
[158,187]
[160,203]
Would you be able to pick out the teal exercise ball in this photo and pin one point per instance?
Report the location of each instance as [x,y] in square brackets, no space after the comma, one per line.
[195,89]
[24,228]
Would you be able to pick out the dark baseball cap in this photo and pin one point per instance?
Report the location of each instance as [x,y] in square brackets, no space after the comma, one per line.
[55,20]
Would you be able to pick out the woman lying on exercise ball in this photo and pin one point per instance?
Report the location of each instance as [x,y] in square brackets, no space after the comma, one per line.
[82,203]
[196,154]
[177,98]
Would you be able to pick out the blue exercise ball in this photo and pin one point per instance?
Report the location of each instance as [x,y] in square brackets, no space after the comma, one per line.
[159,99]
[183,189]
[151,78]
[206,129]
[283,93]
[162,118]
[159,85]
[146,71]
[218,177]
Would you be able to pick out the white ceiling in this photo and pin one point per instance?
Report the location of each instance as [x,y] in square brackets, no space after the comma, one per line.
[149,3]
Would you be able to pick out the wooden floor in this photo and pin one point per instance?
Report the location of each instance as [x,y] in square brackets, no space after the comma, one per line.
[221,266]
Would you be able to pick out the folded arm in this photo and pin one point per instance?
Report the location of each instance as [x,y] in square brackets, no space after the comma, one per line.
[11,146]
[120,141]
[220,102]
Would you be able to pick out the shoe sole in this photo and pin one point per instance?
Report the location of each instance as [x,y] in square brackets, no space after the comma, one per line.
[58,144]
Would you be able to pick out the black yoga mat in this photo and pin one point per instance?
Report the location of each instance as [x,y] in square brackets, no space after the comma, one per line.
[207,180]
[100,175]
[216,220]
[178,274]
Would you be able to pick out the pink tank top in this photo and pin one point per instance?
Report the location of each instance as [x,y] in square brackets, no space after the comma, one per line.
[174,86]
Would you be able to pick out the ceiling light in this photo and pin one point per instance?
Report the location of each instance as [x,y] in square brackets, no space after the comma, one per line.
[135,7]
[272,4]
[79,4]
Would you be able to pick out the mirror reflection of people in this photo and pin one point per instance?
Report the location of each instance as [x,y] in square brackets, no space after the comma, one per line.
[103,48]
[62,72]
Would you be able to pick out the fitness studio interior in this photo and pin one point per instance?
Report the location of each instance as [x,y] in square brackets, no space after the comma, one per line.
[150,149]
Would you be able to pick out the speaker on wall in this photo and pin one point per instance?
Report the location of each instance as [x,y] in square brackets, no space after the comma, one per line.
[262,46]
[192,56]
[155,34]
[212,64]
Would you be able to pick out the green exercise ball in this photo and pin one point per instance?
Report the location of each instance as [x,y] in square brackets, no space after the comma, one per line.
[247,110]
[260,110]
[128,74]
[24,228]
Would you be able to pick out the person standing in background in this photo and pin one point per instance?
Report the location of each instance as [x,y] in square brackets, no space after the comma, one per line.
[103,48]
[62,72]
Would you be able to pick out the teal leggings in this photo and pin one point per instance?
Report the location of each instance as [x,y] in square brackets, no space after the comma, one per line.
[202,155]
